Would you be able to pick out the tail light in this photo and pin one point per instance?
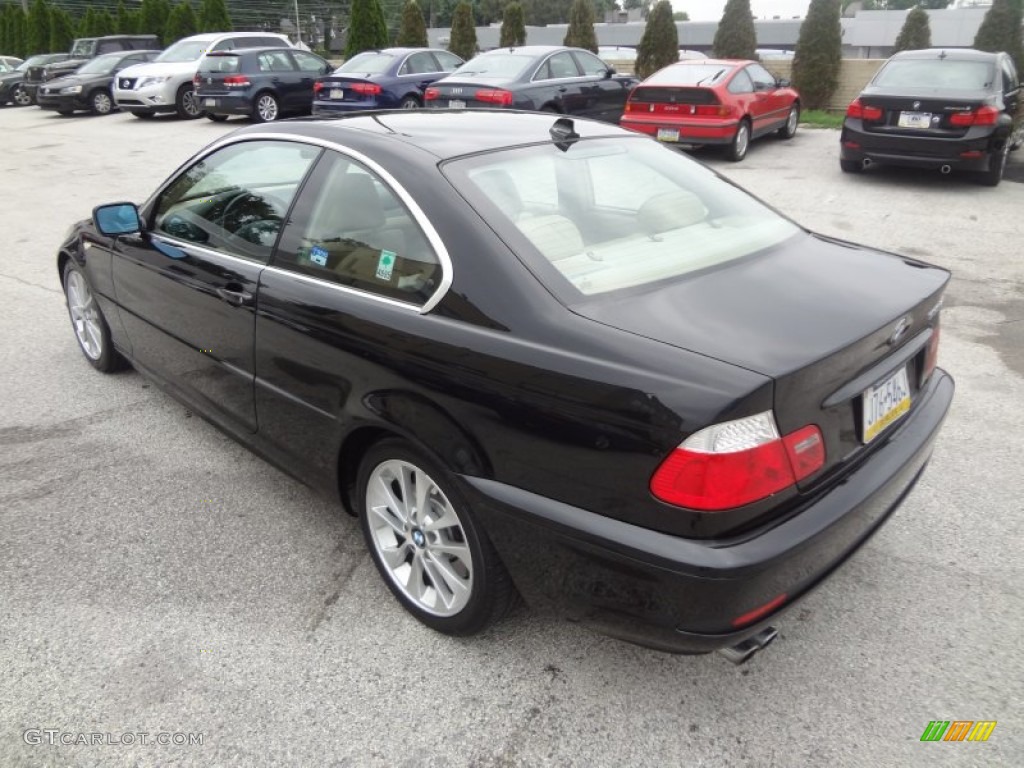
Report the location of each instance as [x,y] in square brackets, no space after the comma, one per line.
[494,96]
[236,81]
[317,87]
[713,110]
[861,112]
[931,355]
[196,80]
[367,89]
[737,462]
[432,93]
[981,116]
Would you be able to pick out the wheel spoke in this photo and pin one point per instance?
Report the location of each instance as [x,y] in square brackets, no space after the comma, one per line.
[423,487]
[396,506]
[447,518]
[395,557]
[455,549]
[414,583]
[450,578]
[382,513]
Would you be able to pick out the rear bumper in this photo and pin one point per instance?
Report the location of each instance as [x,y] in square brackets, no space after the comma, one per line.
[683,595]
[971,152]
[334,108]
[705,131]
[226,104]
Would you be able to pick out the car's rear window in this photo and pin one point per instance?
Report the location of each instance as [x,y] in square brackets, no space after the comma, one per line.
[508,65]
[609,214]
[689,74]
[220,64]
[936,73]
[367,64]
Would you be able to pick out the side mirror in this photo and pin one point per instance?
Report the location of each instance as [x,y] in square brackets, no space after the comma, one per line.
[609,72]
[117,219]
[782,83]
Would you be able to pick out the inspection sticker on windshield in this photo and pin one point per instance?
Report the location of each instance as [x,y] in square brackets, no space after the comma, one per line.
[318,255]
[386,265]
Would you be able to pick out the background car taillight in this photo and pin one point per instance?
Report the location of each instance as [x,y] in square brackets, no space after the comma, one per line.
[494,96]
[196,80]
[432,93]
[236,81]
[317,87]
[981,116]
[367,89]
[736,463]
[859,111]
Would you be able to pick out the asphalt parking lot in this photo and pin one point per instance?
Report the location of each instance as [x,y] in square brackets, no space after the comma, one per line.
[155,577]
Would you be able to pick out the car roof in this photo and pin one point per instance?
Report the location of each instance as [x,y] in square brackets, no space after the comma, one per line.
[253,49]
[442,134]
[530,50]
[713,62]
[957,54]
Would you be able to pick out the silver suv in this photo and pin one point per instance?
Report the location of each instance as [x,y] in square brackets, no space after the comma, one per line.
[165,84]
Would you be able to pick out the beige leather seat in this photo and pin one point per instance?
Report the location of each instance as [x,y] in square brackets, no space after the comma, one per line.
[555,236]
[671,210]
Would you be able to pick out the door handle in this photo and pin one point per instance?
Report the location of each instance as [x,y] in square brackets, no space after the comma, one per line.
[236,297]
[562,89]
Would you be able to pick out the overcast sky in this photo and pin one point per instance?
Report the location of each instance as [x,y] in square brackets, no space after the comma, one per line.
[711,10]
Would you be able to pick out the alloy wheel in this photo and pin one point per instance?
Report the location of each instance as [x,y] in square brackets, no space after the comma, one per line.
[84,315]
[794,116]
[419,538]
[101,103]
[190,103]
[266,108]
[21,97]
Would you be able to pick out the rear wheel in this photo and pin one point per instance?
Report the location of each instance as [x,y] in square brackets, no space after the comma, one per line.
[186,103]
[266,109]
[740,142]
[410,102]
[21,97]
[426,543]
[850,166]
[100,103]
[996,167]
[788,131]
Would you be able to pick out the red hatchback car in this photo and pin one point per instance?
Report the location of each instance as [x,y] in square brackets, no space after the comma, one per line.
[713,101]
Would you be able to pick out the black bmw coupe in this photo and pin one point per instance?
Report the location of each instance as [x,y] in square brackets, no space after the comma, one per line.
[534,355]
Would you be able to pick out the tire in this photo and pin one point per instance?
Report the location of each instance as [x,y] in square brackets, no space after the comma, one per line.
[21,97]
[87,321]
[411,550]
[186,103]
[788,131]
[100,102]
[740,142]
[997,165]
[266,108]
[850,166]
[215,118]
[410,102]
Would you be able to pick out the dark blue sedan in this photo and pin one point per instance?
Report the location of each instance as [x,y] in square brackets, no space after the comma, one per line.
[393,78]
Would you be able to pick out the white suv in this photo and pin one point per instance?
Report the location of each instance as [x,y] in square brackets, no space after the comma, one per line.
[165,84]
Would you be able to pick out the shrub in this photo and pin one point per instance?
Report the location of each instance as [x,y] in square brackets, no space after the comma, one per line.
[513,26]
[413,32]
[735,37]
[1000,30]
[818,54]
[659,45]
[463,35]
[916,33]
[581,26]
[367,30]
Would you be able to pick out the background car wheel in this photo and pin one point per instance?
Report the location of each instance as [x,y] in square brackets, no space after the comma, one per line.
[266,109]
[216,118]
[90,326]
[186,103]
[21,97]
[426,542]
[850,166]
[410,102]
[997,165]
[740,142]
[101,103]
[788,131]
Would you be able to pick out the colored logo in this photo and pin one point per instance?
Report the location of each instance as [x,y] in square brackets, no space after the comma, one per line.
[958,730]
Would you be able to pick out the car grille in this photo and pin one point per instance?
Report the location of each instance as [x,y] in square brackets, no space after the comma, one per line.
[126,83]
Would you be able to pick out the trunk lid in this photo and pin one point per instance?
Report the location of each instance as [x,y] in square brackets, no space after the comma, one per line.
[463,92]
[347,89]
[670,101]
[920,111]
[818,316]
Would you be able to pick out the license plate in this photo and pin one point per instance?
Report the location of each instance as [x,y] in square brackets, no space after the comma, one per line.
[885,403]
[668,134]
[209,102]
[915,119]
[456,104]
[337,93]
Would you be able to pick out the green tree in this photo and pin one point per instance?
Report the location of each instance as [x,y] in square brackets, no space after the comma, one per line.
[214,17]
[367,29]
[463,34]
[1000,30]
[106,24]
[62,30]
[87,23]
[181,22]
[680,16]
[38,27]
[659,45]
[580,33]
[735,37]
[413,32]
[818,54]
[916,33]
[513,26]
[12,30]
[126,22]
[153,19]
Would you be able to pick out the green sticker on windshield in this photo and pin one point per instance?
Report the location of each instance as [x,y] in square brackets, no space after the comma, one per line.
[386,265]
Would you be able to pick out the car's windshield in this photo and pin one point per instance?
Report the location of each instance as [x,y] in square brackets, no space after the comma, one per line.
[610,214]
[937,73]
[689,74]
[507,65]
[83,49]
[184,50]
[34,61]
[101,65]
[369,63]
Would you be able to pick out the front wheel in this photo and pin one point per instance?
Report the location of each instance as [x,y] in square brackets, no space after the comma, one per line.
[426,543]
[100,103]
[186,103]
[740,142]
[266,109]
[788,131]
[87,319]
[22,97]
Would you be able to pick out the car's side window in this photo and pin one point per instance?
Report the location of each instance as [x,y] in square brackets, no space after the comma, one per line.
[591,65]
[559,65]
[449,62]
[308,62]
[1010,83]
[350,228]
[418,64]
[763,79]
[741,83]
[275,61]
[235,199]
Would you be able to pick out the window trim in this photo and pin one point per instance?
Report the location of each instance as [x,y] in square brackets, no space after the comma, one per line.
[443,257]
[548,58]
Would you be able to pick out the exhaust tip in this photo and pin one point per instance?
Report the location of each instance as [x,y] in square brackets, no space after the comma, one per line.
[742,652]
[944,170]
[865,163]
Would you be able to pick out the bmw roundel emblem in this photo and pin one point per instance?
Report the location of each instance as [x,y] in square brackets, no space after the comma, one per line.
[917,105]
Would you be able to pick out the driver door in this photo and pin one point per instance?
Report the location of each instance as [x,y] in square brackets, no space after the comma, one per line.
[186,285]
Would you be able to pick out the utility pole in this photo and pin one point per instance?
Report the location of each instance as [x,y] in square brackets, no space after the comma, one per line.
[298,24]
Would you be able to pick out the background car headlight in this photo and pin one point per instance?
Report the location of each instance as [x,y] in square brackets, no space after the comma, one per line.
[144,81]
[71,89]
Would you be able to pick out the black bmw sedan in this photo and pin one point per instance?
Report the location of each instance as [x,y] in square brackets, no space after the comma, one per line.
[88,88]
[532,354]
[939,109]
[535,77]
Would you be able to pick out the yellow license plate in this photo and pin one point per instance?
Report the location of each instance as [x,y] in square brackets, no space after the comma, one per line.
[885,403]
[668,134]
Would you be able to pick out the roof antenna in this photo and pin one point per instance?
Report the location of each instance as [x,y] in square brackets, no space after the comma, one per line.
[562,131]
